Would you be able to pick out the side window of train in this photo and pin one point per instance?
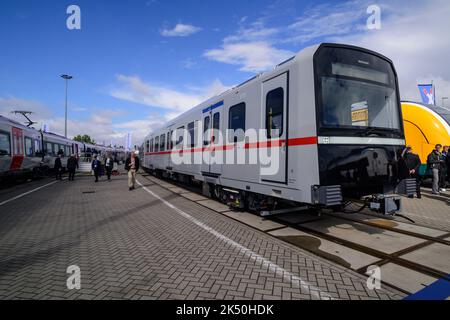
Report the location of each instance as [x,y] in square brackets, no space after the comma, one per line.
[157,144]
[180,134]
[5,144]
[236,122]
[206,127]
[163,143]
[29,152]
[168,144]
[151,145]
[274,113]
[147,146]
[191,130]
[216,126]
[49,148]
[37,148]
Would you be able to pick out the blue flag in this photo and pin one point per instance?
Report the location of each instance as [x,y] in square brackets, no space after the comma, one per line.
[427,93]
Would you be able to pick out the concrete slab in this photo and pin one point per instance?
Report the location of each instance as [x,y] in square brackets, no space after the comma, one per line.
[297,217]
[396,225]
[436,256]
[178,190]
[406,279]
[253,220]
[378,239]
[214,205]
[344,256]
[193,196]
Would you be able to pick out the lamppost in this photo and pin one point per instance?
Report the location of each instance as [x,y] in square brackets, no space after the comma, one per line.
[67,78]
[443,99]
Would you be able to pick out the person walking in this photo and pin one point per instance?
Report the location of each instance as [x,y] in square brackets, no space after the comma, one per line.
[58,167]
[413,163]
[109,165]
[96,167]
[72,166]
[434,164]
[132,166]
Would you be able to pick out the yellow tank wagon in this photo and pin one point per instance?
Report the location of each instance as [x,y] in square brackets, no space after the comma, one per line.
[425,126]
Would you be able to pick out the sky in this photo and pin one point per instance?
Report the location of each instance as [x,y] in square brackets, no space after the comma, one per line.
[139,63]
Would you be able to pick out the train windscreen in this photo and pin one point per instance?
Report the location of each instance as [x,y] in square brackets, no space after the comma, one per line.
[356,93]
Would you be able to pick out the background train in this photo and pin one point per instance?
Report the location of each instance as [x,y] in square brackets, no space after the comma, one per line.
[425,126]
[30,153]
[331,114]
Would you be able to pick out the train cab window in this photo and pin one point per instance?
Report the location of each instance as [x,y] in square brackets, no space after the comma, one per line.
[274,113]
[163,143]
[29,147]
[171,140]
[237,122]
[206,127]
[157,144]
[191,130]
[5,144]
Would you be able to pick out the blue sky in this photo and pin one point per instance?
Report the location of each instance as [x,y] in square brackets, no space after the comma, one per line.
[139,63]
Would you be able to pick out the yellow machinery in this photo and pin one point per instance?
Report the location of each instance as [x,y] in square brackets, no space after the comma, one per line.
[425,126]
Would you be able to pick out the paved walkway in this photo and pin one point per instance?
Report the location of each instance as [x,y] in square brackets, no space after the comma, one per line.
[152,244]
[430,211]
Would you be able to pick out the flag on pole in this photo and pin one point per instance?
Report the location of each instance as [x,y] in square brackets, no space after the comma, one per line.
[428,93]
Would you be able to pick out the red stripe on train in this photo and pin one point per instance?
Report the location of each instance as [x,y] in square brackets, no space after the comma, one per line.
[254,145]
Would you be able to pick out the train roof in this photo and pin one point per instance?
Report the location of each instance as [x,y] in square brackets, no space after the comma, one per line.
[443,112]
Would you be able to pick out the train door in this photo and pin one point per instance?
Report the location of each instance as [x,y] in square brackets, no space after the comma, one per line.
[169,146]
[213,142]
[17,149]
[275,113]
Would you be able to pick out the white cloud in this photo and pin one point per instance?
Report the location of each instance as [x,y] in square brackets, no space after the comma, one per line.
[326,20]
[251,56]
[180,30]
[133,89]
[415,37]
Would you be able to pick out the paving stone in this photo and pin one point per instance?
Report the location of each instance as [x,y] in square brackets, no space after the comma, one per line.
[129,245]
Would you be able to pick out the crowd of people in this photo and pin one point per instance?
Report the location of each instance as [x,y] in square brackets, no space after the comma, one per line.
[439,163]
[438,167]
[100,168]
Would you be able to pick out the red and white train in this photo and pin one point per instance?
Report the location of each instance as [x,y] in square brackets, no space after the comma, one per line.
[339,133]
[30,153]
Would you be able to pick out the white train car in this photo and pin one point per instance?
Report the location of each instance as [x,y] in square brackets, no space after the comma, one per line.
[331,115]
[31,153]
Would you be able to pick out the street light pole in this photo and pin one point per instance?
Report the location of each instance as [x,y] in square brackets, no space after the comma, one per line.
[67,78]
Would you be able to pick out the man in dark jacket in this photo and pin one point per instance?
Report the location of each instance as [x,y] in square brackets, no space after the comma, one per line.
[413,163]
[132,165]
[96,167]
[434,164]
[72,165]
[109,165]
[58,167]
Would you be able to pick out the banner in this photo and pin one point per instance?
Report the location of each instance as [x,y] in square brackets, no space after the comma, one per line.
[428,94]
